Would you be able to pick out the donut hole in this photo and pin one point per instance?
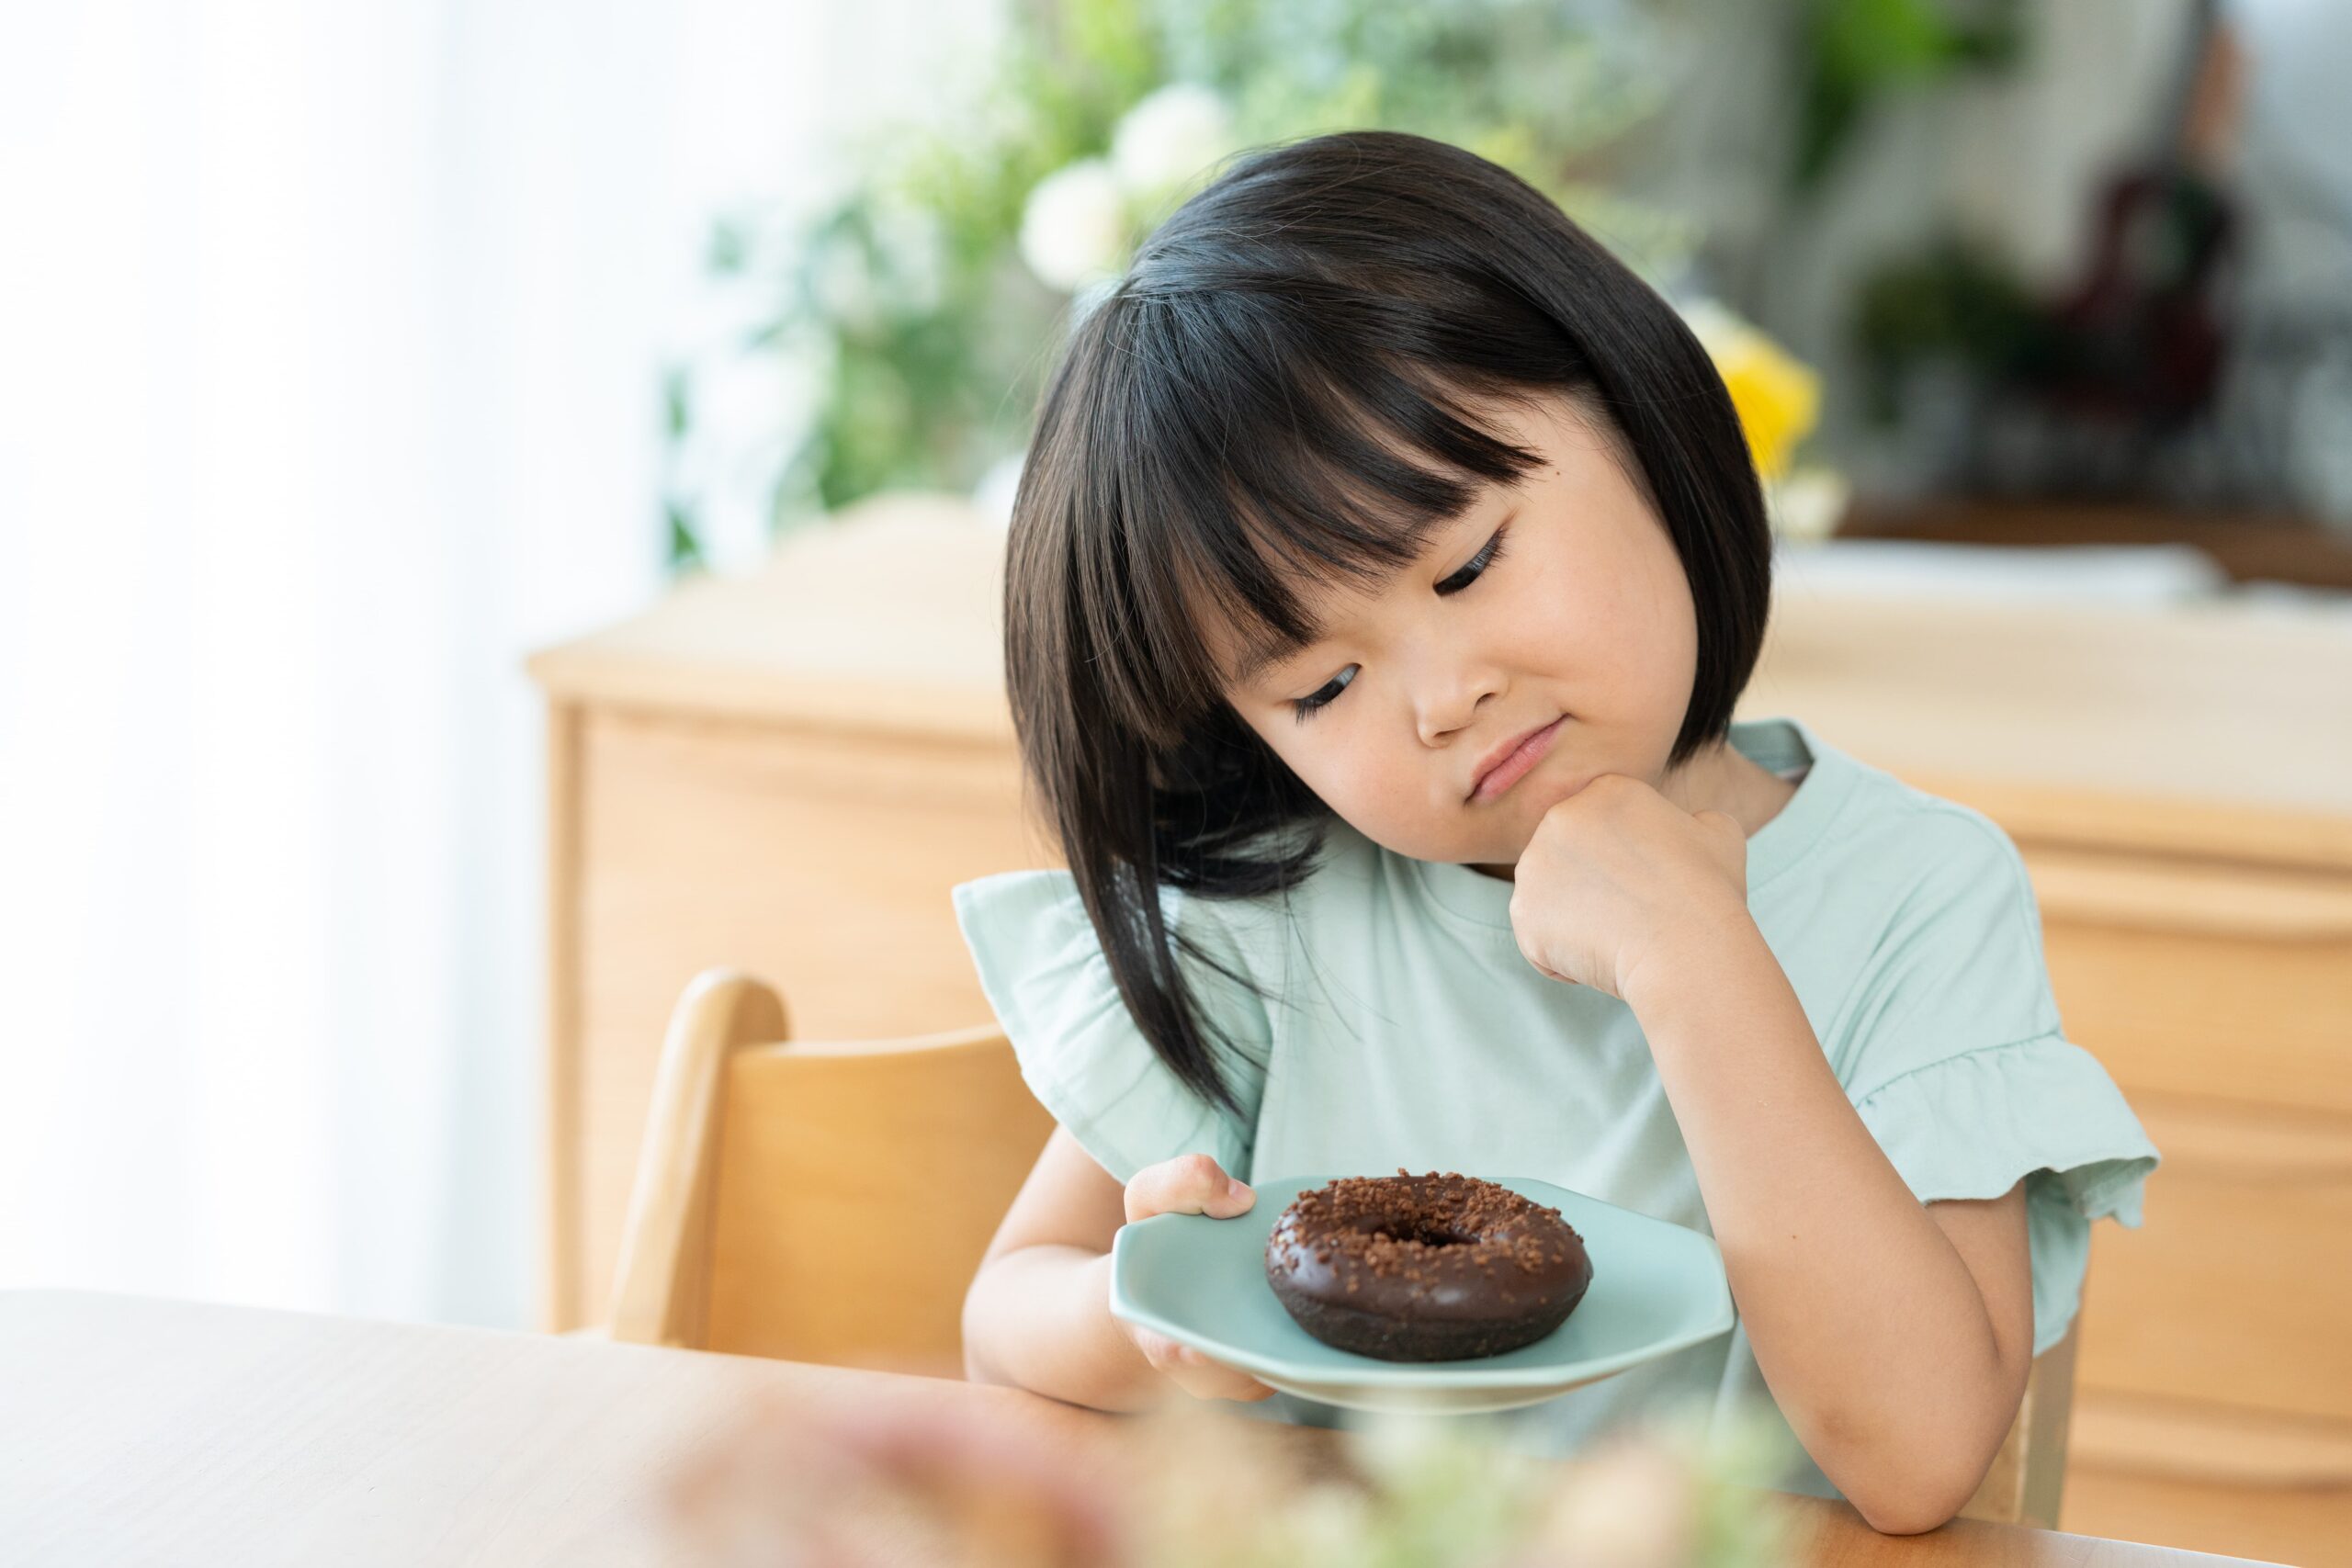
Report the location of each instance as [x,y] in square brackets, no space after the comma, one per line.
[1429,1232]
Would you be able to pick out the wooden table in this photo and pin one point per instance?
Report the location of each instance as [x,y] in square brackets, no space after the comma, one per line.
[136,1431]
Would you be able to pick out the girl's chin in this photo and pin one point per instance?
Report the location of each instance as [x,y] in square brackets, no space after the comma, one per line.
[1494,859]
[1521,806]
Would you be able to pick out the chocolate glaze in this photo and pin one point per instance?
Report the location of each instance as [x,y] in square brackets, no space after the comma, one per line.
[1425,1268]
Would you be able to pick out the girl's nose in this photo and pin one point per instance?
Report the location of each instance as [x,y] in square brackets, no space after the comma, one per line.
[1449,702]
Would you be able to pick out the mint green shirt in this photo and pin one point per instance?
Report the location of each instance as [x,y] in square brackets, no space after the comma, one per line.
[1407,1029]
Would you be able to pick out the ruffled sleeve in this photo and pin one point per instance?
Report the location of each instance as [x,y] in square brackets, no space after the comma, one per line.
[1951,1051]
[1046,976]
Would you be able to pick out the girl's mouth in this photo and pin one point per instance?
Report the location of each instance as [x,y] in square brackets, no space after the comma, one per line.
[1514,764]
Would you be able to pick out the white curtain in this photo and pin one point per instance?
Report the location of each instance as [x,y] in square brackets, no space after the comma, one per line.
[331,340]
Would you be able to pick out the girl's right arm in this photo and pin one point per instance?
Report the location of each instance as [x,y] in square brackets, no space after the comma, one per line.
[1038,1313]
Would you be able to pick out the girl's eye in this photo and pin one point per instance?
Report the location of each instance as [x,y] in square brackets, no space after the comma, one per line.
[1306,708]
[1475,566]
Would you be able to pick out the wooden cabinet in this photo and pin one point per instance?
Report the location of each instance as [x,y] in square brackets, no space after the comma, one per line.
[817,861]
[788,772]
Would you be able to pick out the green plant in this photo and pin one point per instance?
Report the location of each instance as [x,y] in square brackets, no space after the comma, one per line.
[1957,302]
[1855,53]
[916,300]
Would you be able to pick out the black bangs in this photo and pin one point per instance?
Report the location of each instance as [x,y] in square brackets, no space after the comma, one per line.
[1274,444]
[1296,380]
[1317,461]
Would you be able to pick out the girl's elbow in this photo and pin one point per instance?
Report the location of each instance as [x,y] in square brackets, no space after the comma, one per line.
[1916,1503]
[1921,1480]
[1905,1515]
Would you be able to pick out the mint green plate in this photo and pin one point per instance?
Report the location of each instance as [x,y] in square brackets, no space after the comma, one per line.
[1657,1288]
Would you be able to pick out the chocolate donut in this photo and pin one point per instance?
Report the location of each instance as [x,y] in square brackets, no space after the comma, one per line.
[1425,1268]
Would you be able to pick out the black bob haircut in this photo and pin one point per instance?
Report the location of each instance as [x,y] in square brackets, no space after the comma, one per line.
[1282,391]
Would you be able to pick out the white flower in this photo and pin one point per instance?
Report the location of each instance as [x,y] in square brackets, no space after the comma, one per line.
[1170,137]
[1394,1447]
[1074,229]
[1807,503]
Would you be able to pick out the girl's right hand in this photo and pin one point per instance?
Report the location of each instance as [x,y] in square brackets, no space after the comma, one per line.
[1190,1184]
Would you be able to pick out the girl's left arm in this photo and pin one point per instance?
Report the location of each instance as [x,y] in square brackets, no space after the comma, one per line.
[1896,1337]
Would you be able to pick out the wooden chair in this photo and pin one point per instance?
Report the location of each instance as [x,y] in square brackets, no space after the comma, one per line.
[817,1202]
[831,1201]
[2030,1471]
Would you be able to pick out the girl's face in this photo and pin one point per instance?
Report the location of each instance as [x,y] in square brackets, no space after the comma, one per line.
[1559,601]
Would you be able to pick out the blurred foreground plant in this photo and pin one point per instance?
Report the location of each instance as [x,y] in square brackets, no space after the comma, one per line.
[1195,1487]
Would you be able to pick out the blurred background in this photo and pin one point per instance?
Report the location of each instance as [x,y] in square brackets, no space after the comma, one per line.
[352,356]
[334,353]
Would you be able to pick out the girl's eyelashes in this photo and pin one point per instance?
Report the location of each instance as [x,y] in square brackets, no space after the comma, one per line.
[1307,706]
[1475,566]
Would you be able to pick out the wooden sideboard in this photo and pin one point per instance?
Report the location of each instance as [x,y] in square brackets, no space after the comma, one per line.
[2250,546]
[786,772]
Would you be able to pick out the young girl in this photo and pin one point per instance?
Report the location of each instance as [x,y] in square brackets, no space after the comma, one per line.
[1385,570]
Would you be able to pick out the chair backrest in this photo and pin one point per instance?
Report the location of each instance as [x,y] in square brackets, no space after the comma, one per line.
[2030,1472]
[822,1201]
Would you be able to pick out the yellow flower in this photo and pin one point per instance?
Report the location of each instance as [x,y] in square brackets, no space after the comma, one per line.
[1777,397]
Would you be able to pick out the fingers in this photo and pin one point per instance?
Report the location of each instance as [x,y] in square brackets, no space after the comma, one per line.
[1194,1373]
[1192,1184]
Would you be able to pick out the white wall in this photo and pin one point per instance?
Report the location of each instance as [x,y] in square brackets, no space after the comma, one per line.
[330,342]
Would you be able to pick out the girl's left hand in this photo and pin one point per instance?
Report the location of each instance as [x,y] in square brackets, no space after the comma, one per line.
[1617,874]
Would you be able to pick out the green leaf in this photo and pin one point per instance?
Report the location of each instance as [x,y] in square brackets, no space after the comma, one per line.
[685,546]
